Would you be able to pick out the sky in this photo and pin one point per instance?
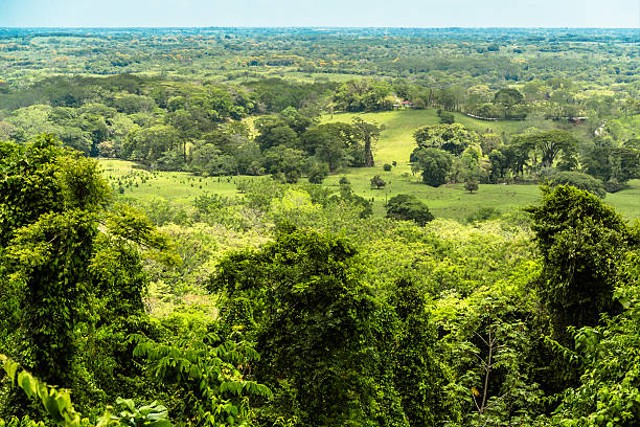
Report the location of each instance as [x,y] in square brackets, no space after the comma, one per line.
[320,13]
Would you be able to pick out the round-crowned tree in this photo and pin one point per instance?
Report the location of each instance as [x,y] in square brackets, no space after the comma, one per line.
[434,164]
[408,207]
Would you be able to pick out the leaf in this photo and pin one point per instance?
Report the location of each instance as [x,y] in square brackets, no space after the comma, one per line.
[11,368]
[27,383]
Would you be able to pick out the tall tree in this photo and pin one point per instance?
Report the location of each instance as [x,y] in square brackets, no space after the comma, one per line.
[582,241]
[453,138]
[550,144]
[49,198]
[67,260]
[368,133]
[434,164]
[324,337]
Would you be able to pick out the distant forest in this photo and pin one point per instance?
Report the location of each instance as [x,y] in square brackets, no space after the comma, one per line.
[178,99]
[319,227]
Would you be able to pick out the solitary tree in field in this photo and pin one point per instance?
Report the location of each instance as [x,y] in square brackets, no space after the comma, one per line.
[378,182]
[368,133]
[471,185]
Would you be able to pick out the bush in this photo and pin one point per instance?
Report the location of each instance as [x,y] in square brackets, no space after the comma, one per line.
[483,214]
[386,167]
[318,172]
[378,182]
[446,117]
[471,185]
[613,186]
[407,207]
[579,180]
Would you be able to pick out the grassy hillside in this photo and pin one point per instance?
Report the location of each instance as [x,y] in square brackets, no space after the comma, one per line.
[396,140]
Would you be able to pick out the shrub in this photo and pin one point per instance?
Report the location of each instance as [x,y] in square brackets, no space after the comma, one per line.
[378,182]
[408,208]
[579,180]
[471,185]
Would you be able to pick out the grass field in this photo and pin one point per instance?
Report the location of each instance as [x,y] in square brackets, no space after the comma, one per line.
[447,201]
[179,187]
[396,139]
[395,144]
[627,201]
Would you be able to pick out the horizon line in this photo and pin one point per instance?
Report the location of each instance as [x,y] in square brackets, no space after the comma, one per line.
[330,27]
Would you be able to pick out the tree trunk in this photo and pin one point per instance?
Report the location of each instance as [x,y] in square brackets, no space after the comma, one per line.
[368,154]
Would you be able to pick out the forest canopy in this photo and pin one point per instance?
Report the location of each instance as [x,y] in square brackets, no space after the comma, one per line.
[319,227]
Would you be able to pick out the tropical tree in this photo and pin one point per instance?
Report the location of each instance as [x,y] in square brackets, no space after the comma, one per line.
[367,133]
[453,138]
[583,243]
[301,300]
[549,145]
[407,207]
[434,164]
[508,99]
[62,252]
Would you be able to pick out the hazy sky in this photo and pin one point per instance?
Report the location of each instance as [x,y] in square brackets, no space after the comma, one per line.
[347,13]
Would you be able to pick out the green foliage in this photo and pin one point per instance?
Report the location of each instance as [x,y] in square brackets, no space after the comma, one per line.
[408,207]
[434,163]
[471,185]
[446,117]
[419,377]
[46,247]
[489,341]
[42,177]
[453,138]
[74,273]
[509,99]
[368,133]
[318,172]
[438,324]
[259,192]
[377,182]
[57,404]
[363,95]
[612,164]
[484,214]
[582,242]
[301,300]
[549,145]
[608,390]
[48,262]
[152,415]
[59,409]
[206,377]
[579,180]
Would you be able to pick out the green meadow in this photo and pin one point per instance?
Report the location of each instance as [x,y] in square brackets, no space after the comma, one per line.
[396,139]
[395,144]
[178,187]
